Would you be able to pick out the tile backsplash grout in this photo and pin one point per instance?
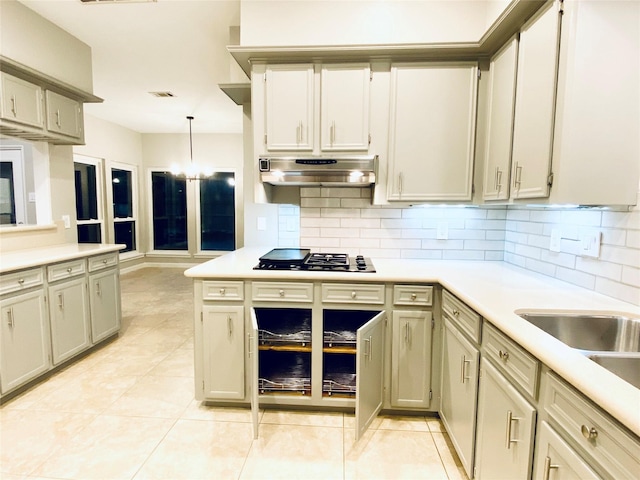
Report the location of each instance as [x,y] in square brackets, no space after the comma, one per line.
[343,219]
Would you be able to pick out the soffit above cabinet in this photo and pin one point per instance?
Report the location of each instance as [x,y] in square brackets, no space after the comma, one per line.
[514,16]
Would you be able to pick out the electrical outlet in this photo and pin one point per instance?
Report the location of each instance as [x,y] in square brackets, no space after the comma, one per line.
[590,244]
[442,233]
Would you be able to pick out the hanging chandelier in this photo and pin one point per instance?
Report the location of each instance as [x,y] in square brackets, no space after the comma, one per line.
[193,171]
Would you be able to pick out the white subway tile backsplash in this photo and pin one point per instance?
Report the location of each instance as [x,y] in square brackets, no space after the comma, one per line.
[515,234]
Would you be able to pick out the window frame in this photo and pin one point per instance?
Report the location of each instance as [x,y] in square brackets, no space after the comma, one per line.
[135,210]
[98,163]
[198,214]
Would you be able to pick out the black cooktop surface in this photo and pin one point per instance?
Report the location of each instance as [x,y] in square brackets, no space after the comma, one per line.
[303,259]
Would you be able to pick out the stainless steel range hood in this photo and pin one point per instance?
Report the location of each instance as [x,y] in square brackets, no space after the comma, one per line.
[342,171]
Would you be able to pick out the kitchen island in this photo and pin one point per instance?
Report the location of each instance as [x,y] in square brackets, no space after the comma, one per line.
[495,290]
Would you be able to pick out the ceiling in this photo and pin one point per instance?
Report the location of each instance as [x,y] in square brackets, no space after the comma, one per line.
[167,45]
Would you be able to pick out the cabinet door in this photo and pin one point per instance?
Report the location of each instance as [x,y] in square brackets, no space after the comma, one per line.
[555,460]
[535,105]
[460,362]
[411,358]
[504,441]
[104,293]
[369,363]
[69,315]
[344,111]
[24,339]
[432,131]
[64,115]
[255,372]
[21,101]
[289,107]
[223,348]
[502,88]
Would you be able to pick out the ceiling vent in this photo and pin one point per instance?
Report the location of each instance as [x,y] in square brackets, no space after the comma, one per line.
[160,94]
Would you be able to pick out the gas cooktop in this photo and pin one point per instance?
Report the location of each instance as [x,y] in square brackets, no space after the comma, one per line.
[303,259]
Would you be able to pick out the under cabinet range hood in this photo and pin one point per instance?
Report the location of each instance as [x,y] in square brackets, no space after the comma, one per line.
[343,171]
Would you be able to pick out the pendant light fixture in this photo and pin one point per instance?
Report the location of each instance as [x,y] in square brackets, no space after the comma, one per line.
[192,171]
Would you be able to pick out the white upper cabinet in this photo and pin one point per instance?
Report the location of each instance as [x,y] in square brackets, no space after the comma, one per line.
[501,101]
[344,111]
[289,103]
[533,122]
[64,115]
[432,131]
[21,101]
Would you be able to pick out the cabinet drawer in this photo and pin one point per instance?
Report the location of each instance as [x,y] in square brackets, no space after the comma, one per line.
[14,282]
[223,290]
[349,293]
[513,360]
[103,261]
[282,292]
[615,450]
[462,316]
[412,295]
[66,270]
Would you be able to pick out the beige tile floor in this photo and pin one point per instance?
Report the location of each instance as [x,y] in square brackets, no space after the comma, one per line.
[127,411]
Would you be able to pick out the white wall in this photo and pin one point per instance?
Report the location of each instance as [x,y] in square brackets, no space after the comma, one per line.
[29,39]
[338,22]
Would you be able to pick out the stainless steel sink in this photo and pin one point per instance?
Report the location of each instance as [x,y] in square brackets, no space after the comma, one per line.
[611,341]
[627,367]
[596,333]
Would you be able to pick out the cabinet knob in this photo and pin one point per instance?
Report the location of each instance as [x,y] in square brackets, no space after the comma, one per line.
[281,292]
[223,292]
[414,296]
[589,433]
[69,270]
[104,261]
[456,313]
[503,355]
[21,281]
[354,294]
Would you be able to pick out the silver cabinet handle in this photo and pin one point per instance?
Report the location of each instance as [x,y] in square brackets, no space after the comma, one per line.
[61,301]
[547,468]
[589,433]
[518,176]
[58,118]
[10,320]
[463,369]
[230,325]
[14,106]
[407,333]
[249,342]
[332,130]
[510,420]
[369,351]
[400,183]
[98,290]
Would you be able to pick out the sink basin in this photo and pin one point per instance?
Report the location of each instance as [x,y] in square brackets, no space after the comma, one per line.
[595,333]
[626,367]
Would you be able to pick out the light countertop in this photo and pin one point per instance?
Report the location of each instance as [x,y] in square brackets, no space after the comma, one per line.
[493,289]
[35,257]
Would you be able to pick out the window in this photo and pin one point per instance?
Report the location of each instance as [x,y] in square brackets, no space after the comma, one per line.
[123,181]
[169,211]
[218,212]
[88,176]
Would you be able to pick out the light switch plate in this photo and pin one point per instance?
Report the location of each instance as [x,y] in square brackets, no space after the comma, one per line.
[590,244]
[67,221]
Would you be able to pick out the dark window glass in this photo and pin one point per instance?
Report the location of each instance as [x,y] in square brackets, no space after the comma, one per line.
[217,212]
[86,197]
[125,232]
[169,196]
[7,195]
[122,193]
[89,233]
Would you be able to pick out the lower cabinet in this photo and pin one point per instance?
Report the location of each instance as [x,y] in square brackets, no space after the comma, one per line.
[411,358]
[460,363]
[24,338]
[505,429]
[224,352]
[104,292]
[69,315]
[556,460]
